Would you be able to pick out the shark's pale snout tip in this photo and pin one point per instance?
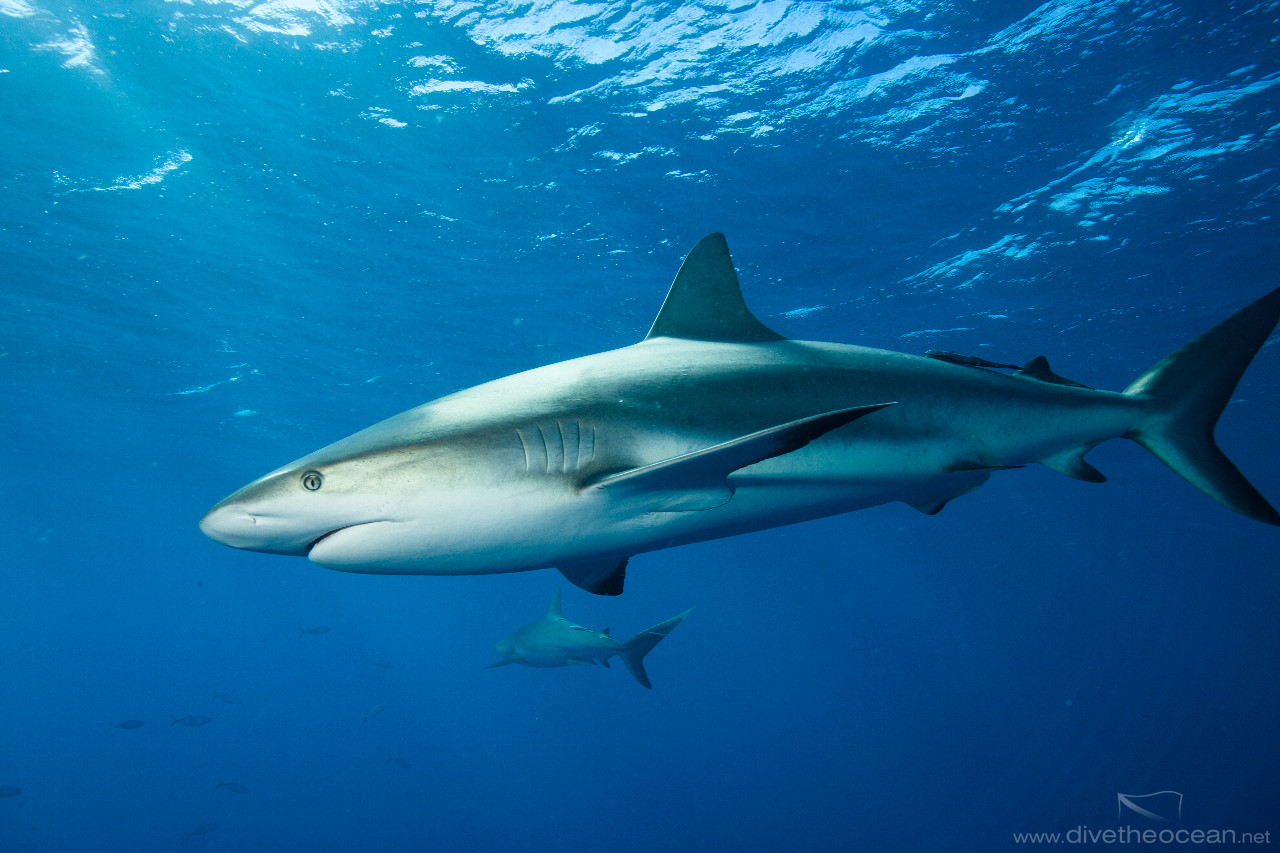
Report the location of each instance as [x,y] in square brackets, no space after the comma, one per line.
[230,525]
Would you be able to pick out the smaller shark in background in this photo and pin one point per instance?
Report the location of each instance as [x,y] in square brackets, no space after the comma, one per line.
[555,641]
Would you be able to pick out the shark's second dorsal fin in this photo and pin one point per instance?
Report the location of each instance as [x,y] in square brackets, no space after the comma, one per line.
[554,612]
[705,301]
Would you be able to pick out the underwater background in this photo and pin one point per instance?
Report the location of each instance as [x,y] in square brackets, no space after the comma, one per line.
[233,232]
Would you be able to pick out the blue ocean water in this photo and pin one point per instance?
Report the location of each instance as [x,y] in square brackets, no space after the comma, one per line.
[232,232]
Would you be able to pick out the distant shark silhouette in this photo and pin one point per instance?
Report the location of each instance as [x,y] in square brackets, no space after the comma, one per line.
[555,641]
[711,426]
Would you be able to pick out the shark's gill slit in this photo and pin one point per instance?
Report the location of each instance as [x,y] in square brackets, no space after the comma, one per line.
[567,465]
[525,445]
[546,449]
[585,459]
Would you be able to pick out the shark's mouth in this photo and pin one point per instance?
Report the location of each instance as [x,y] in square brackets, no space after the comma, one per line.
[314,542]
[365,546]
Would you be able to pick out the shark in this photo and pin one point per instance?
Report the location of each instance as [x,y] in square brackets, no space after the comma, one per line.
[716,425]
[555,641]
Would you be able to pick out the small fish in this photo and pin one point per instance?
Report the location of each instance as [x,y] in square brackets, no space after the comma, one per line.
[233,787]
[193,720]
[230,700]
[373,712]
[9,791]
[128,725]
[316,631]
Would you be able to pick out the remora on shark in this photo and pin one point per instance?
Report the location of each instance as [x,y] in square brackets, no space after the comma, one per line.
[711,426]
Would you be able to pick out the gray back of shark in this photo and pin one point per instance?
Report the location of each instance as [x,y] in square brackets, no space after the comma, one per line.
[711,426]
[554,641]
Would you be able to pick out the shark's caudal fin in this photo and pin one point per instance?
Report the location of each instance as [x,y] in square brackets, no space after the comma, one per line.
[1190,389]
[705,301]
[634,650]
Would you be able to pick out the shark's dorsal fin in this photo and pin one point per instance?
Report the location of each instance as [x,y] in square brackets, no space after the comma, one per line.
[705,301]
[1038,368]
[554,612]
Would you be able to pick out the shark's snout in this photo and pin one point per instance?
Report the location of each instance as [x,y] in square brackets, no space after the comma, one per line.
[231,525]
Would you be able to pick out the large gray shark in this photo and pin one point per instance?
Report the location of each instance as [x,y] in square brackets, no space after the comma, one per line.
[555,641]
[715,425]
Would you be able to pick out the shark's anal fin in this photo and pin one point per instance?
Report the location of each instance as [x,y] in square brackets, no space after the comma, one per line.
[1073,465]
[697,480]
[705,301]
[602,577]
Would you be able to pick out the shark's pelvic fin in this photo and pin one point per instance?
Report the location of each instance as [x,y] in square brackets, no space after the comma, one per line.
[634,650]
[1188,391]
[697,480]
[956,485]
[602,577]
[705,301]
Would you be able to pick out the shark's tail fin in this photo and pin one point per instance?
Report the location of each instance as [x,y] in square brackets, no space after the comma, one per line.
[634,650]
[1189,390]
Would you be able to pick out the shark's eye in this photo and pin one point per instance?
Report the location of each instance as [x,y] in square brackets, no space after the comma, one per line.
[312,480]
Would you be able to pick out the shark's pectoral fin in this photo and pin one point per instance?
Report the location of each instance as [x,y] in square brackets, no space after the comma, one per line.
[1072,464]
[500,663]
[602,577]
[697,480]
